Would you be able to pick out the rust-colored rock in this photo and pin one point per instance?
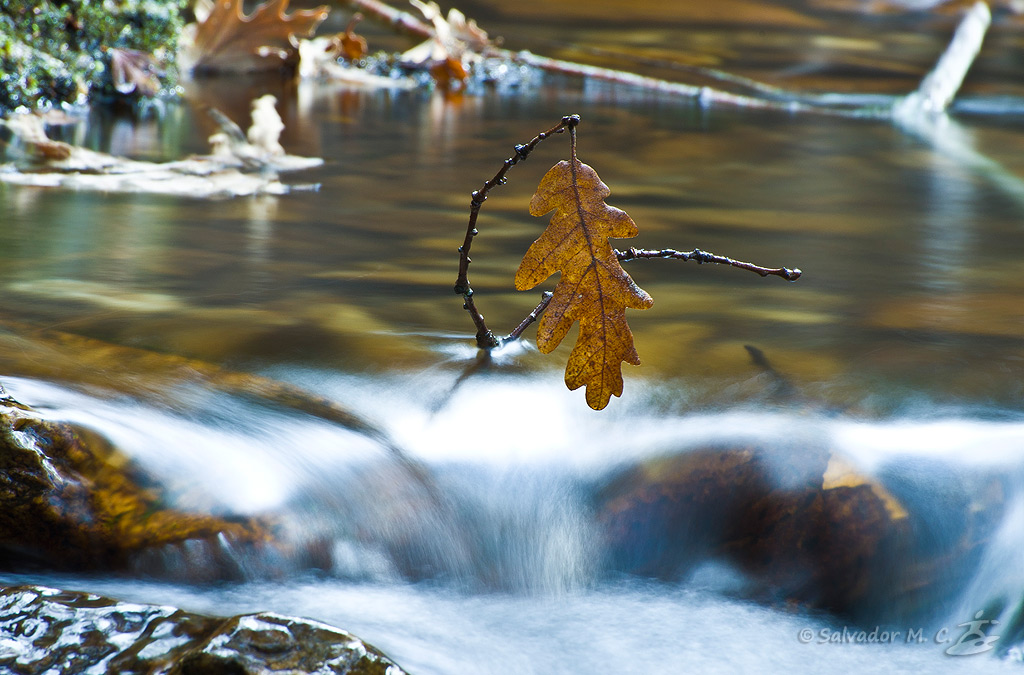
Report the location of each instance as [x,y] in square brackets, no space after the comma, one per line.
[664,516]
[68,500]
[803,524]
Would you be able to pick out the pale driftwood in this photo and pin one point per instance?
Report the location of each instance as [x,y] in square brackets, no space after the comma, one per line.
[923,113]
[239,163]
[939,86]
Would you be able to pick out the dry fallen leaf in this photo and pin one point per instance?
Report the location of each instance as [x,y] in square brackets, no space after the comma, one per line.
[350,45]
[457,42]
[593,289]
[226,40]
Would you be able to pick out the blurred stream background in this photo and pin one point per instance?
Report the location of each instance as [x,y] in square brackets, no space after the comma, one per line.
[903,341]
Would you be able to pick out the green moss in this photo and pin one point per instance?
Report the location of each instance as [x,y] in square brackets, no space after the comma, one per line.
[55,51]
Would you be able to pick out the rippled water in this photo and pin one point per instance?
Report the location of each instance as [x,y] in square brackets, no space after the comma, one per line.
[902,343]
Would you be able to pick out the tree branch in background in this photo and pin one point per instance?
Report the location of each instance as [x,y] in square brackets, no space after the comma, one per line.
[935,93]
[939,86]
[403,22]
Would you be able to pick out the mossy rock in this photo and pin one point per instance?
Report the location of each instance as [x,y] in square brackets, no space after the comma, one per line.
[68,500]
[67,632]
[107,369]
[803,524]
[54,52]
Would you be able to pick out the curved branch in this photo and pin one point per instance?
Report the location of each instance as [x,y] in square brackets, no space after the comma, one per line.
[485,339]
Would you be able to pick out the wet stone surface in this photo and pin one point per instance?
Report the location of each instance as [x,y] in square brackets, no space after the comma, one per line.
[43,630]
[68,500]
[804,524]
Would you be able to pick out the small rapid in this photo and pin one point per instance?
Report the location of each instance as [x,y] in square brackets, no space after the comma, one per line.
[478,547]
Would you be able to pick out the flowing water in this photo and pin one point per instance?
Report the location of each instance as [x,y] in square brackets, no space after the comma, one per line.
[902,345]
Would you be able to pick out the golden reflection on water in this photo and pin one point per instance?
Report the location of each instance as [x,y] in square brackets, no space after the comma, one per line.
[911,257]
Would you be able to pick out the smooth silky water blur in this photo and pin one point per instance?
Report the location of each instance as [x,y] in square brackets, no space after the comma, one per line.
[903,342]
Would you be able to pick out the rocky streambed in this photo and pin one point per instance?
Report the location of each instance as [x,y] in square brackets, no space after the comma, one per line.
[804,526]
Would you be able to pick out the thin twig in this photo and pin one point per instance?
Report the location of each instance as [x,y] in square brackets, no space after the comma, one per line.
[396,18]
[545,300]
[782,387]
[856,103]
[703,95]
[701,257]
[411,25]
[485,339]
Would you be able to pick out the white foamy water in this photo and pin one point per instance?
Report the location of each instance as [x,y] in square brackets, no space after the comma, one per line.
[511,562]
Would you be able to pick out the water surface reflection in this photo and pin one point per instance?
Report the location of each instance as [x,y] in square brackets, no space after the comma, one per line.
[902,341]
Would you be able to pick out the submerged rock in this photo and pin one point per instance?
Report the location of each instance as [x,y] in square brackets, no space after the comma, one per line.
[68,500]
[804,526]
[43,630]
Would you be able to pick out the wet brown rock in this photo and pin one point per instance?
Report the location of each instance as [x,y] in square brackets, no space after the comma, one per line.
[823,542]
[803,524]
[665,515]
[70,501]
[271,643]
[51,631]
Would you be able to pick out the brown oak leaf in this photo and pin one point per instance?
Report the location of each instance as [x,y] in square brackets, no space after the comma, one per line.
[227,40]
[593,289]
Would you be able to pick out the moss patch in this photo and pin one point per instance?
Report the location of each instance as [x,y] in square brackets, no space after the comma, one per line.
[54,52]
